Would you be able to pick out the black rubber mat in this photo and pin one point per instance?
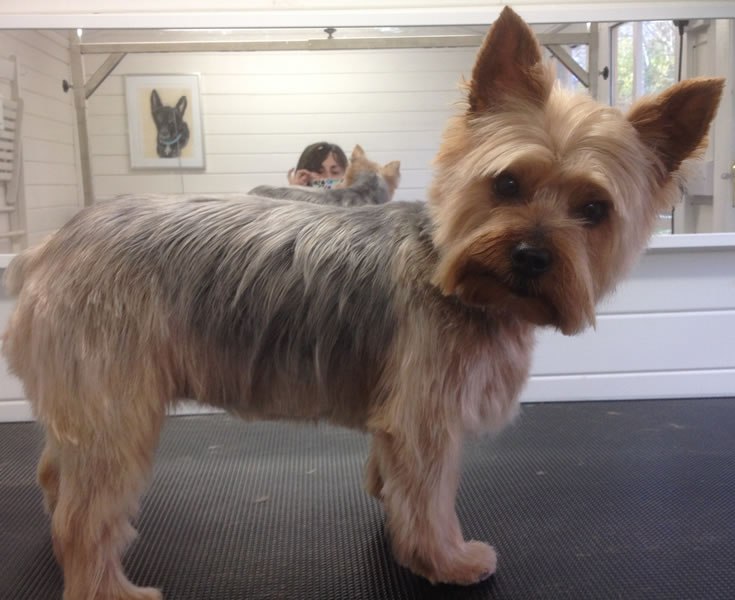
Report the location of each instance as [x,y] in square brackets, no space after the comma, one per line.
[593,501]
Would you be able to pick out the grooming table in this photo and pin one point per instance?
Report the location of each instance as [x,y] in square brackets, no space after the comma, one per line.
[590,501]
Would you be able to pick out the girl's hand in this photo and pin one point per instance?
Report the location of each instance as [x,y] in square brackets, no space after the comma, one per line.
[300,177]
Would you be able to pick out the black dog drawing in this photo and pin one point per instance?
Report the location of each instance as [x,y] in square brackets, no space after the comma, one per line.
[173,132]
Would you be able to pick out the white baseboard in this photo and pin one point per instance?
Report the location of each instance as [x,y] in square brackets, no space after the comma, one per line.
[189,407]
[705,383]
[13,411]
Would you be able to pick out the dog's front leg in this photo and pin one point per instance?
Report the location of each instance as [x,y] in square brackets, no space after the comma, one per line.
[418,480]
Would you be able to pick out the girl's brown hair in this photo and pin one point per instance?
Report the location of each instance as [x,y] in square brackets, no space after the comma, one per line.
[314,155]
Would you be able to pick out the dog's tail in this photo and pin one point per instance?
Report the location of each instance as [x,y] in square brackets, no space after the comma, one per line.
[18,268]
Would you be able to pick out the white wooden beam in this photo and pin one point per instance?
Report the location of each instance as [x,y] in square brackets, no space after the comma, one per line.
[111,15]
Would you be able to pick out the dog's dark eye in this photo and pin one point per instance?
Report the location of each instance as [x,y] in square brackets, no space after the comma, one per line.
[506,185]
[594,213]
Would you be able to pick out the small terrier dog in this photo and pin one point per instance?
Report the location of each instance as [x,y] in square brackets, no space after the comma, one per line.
[365,182]
[412,321]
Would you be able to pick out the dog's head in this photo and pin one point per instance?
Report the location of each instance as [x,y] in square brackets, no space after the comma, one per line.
[542,198]
[172,130]
[360,164]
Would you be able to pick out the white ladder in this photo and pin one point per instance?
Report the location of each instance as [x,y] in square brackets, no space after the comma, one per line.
[12,209]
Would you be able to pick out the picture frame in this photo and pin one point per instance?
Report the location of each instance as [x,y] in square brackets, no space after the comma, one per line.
[164,121]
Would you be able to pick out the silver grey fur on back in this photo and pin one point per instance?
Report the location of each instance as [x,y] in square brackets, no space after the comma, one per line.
[277,300]
[256,304]
[368,188]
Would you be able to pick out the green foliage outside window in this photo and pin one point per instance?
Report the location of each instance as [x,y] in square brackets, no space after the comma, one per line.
[645,59]
[644,62]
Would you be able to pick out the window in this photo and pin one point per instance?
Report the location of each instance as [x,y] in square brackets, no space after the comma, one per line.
[644,57]
[580,55]
[644,60]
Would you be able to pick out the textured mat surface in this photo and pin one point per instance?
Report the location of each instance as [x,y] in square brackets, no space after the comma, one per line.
[588,500]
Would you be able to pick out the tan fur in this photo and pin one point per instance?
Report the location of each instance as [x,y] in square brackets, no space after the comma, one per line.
[359,163]
[413,323]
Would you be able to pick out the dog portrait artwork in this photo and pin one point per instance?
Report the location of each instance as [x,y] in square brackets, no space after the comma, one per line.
[412,321]
[172,131]
[164,121]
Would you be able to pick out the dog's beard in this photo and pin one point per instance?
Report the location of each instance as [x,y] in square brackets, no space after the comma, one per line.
[480,274]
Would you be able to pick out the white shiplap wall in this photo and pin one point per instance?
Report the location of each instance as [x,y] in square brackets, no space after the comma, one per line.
[261,109]
[666,333]
[50,166]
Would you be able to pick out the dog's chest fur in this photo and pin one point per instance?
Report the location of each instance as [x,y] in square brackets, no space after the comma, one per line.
[495,375]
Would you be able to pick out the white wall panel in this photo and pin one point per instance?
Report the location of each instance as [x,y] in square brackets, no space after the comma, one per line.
[333,102]
[631,386]
[109,186]
[299,62]
[270,163]
[640,343]
[286,142]
[672,281]
[50,152]
[39,196]
[256,122]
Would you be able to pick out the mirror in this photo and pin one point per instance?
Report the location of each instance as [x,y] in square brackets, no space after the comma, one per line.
[253,99]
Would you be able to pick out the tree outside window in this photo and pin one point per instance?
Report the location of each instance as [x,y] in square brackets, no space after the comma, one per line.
[644,59]
[644,56]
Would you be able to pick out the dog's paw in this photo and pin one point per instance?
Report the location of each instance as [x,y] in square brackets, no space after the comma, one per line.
[129,592]
[147,593]
[471,563]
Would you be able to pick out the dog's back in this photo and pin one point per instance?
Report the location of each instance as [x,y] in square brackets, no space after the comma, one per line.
[238,274]
[365,182]
[368,188]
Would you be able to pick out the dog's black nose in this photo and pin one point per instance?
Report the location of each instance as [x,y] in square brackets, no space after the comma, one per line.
[530,261]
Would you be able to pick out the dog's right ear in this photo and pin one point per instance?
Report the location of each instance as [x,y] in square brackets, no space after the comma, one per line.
[508,66]
[181,105]
[675,123]
[155,100]
[392,170]
[357,152]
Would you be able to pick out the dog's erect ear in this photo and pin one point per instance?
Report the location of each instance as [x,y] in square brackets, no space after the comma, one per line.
[392,169]
[508,65]
[675,123]
[357,152]
[155,100]
[181,105]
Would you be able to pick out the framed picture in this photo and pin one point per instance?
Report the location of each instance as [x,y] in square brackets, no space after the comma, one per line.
[164,121]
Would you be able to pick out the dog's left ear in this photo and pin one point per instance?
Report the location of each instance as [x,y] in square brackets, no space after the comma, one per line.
[508,66]
[675,123]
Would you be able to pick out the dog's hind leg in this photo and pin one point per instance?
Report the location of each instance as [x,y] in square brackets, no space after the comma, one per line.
[48,474]
[373,480]
[103,469]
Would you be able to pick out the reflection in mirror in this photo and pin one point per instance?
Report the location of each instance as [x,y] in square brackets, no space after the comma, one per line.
[234,109]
